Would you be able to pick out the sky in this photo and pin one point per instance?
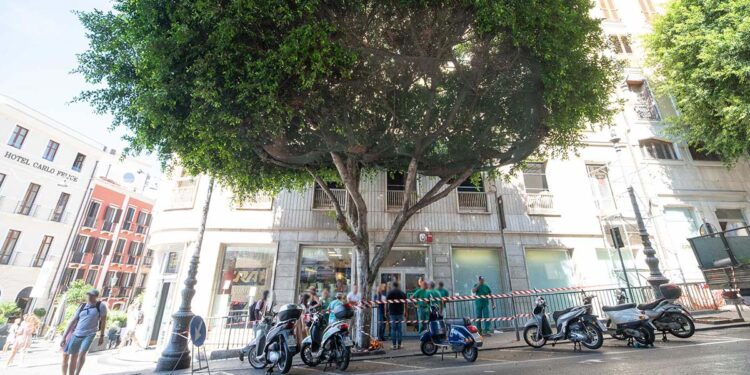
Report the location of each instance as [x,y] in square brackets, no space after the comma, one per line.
[39,40]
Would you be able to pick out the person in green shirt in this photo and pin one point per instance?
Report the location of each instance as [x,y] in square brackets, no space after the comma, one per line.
[443,293]
[423,308]
[325,302]
[482,305]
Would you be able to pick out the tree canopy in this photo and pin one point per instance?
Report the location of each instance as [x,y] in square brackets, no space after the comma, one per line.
[701,51]
[267,95]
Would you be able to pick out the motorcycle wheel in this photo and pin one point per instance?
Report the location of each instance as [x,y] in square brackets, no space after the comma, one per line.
[307,356]
[596,338]
[470,353]
[253,360]
[343,355]
[684,321]
[648,336]
[285,358]
[428,348]
[530,336]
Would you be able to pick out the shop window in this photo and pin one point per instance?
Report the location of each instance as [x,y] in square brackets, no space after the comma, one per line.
[51,150]
[18,137]
[9,245]
[78,162]
[405,258]
[549,268]
[326,267]
[730,219]
[468,264]
[246,272]
[657,149]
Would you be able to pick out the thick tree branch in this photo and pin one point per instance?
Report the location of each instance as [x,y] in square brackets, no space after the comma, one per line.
[341,217]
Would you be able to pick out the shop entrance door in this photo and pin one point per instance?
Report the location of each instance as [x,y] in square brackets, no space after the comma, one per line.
[408,279]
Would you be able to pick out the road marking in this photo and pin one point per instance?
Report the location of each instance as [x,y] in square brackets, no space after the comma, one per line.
[591,361]
[395,364]
[496,360]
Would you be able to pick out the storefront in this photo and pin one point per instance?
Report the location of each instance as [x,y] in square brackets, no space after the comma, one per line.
[246,272]
[470,263]
[326,268]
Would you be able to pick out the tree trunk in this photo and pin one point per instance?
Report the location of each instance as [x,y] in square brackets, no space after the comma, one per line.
[363,318]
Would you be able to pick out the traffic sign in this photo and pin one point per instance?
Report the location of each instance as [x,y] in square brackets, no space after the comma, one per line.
[197,331]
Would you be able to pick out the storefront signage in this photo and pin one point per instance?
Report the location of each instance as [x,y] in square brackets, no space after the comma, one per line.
[425,237]
[40,166]
[249,276]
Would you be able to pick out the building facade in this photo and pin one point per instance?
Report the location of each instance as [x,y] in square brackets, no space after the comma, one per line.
[45,169]
[109,247]
[555,214]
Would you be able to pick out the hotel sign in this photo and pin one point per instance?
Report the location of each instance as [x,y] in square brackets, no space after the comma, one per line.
[40,166]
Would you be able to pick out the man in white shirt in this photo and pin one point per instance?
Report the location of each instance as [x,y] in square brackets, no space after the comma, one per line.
[354,297]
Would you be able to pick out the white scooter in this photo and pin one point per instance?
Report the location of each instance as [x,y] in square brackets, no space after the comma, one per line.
[626,322]
[667,315]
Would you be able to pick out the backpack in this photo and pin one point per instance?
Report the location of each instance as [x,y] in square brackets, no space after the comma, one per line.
[83,305]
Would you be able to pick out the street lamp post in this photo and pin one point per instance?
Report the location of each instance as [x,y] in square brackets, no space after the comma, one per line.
[176,355]
[656,278]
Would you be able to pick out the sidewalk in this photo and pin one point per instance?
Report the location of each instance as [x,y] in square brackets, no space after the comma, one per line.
[499,340]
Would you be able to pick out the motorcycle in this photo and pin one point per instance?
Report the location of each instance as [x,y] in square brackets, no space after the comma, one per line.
[274,343]
[576,324]
[667,315]
[329,341]
[460,337]
[626,322]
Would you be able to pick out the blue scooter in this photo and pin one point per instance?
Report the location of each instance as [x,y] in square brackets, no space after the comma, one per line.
[460,336]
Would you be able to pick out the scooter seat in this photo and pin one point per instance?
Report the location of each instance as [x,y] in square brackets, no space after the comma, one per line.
[650,305]
[619,307]
[557,314]
[454,322]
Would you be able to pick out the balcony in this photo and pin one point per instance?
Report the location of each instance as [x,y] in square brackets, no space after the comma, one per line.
[541,203]
[472,202]
[395,199]
[77,257]
[321,201]
[59,217]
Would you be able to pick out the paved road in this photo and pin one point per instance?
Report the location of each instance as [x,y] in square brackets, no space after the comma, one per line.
[724,351]
[710,352]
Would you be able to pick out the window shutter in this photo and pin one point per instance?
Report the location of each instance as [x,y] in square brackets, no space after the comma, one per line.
[148,220]
[90,244]
[107,247]
[118,213]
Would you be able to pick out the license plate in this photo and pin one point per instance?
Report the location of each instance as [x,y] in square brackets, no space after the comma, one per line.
[476,336]
[348,342]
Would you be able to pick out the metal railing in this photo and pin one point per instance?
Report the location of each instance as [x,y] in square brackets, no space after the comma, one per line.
[542,201]
[232,331]
[395,199]
[321,201]
[472,201]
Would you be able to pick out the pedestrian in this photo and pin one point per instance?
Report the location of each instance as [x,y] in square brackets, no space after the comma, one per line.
[381,296]
[396,314]
[354,297]
[24,334]
[113,335]
[482,305]
[135,319]
[258,307]
[10,340]
[340,300]
[423,307]
[314,299]
[443,293]
[325,302]
[90,317]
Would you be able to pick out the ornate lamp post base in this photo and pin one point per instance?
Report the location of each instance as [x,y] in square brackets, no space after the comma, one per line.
[176,356]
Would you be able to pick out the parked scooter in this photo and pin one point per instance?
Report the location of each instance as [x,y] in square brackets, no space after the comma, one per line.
[666,315]
[274,343]
[576,324]
[463,337]
[626,322]
[329,342]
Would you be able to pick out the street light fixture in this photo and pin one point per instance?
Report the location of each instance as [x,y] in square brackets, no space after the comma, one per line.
[656,278]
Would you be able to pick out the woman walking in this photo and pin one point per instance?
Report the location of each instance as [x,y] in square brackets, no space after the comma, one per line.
[24,335]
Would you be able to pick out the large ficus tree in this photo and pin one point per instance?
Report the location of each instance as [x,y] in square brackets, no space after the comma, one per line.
[700,50]
[268,95]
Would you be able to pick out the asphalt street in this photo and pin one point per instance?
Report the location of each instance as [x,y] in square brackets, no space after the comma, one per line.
[710,352]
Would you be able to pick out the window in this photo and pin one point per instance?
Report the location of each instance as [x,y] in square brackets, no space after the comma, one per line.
[91,214]
[648,9]
[143,221]
[172,263]
[26,205]
[62,202]
[91,277]
[601,188]
[609,11]
[246,271]
[43,251]
[731,219]
[126,224]
[183,192]
[51,150]
[18,137]
[535,178]
[11,239]
[470,263]
[549,268]
[120,247]
[2,179]
[395,190]
[78,163]
[133,248]
[697,153]
[471,195]
[326,267]
[321,201]
[100,244]
[620,43]
[80,244]
[683,224]
[111,218]
[657,149]
[643,101]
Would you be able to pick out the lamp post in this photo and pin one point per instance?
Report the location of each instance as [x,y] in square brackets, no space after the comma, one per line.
[176,355]
[656,278]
